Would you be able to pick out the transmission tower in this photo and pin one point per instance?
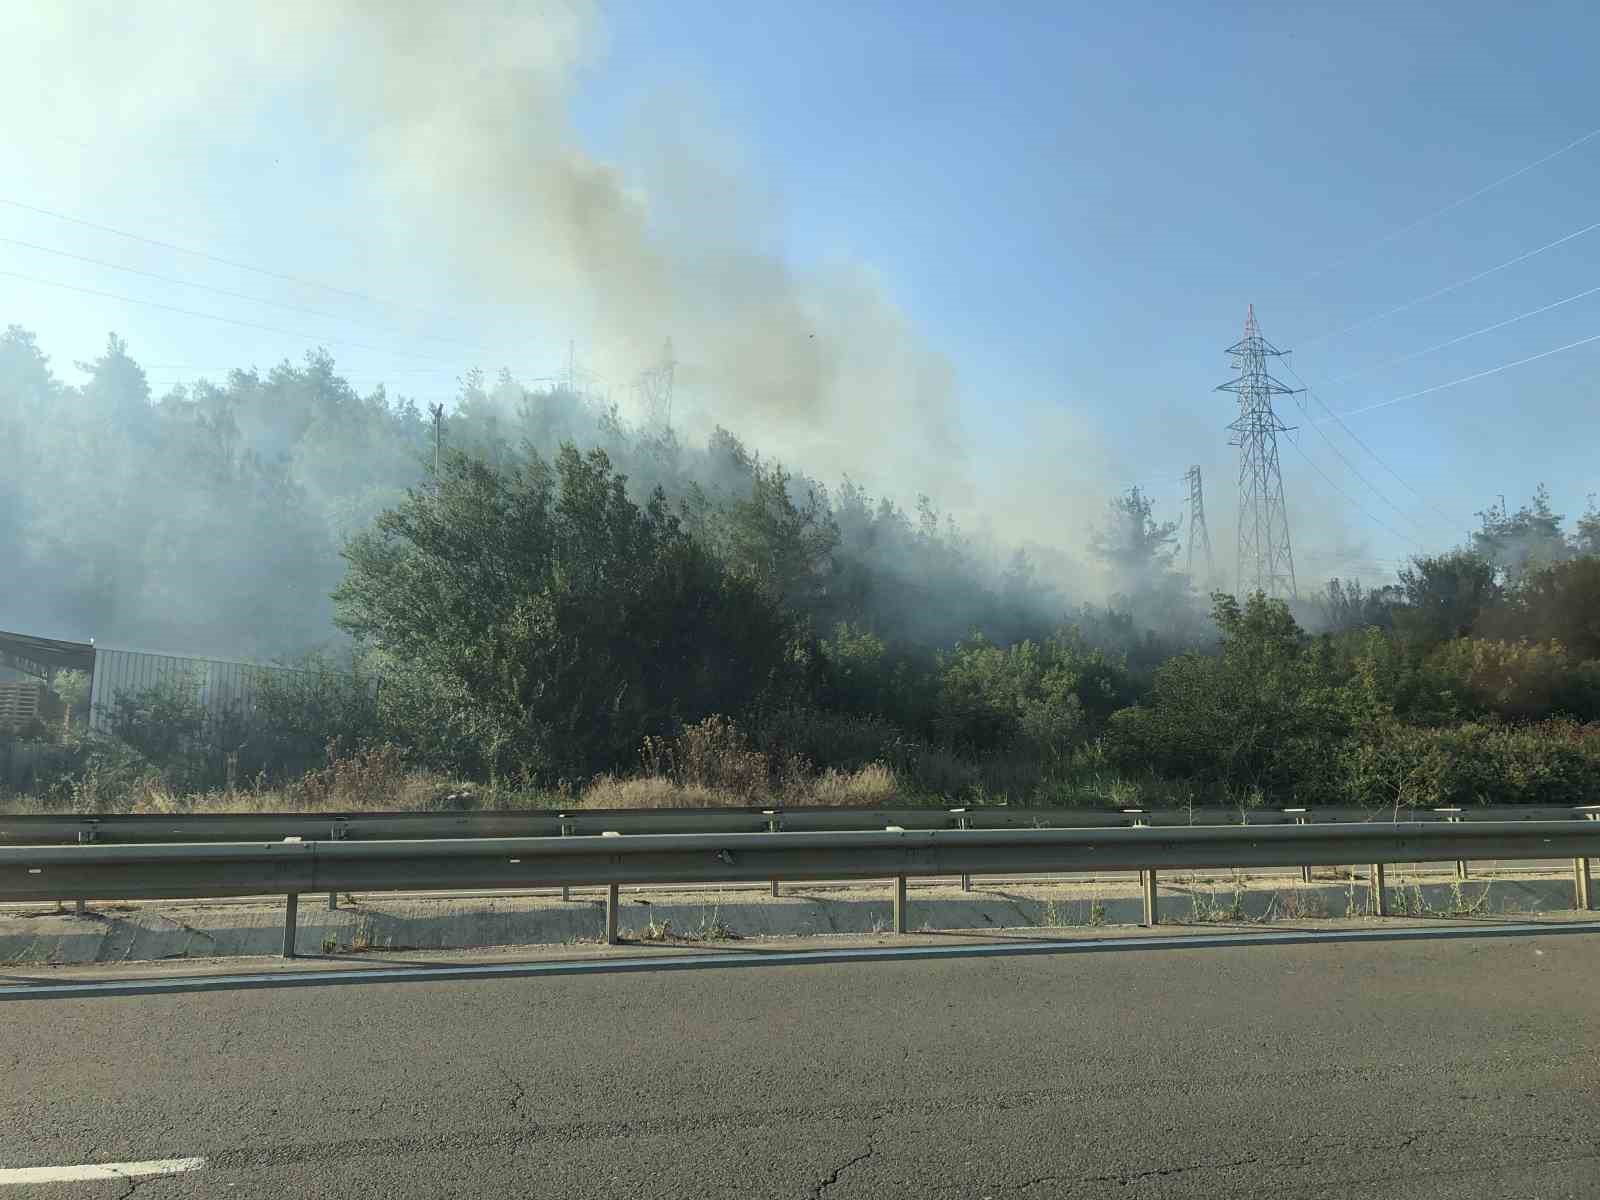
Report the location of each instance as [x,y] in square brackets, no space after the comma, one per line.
[656,383]
[1265,561]
[1199,535]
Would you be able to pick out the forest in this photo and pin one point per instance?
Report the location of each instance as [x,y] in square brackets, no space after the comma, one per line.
[537,601]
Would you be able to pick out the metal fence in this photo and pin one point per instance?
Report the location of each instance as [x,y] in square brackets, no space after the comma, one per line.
[224,689]
[113,828]
[290,868]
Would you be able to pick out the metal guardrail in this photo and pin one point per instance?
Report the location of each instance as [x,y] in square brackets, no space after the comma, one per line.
[26,830]
[172,871]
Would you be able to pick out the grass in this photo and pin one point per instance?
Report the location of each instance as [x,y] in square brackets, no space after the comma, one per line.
[709,765]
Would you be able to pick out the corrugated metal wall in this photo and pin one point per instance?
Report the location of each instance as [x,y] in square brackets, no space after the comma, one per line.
[223,687]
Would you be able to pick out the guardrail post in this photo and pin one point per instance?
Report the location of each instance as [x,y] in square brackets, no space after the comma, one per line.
[81,907]
[773,826]
[1300,818]
[1580,867]
[899,903]
[291,916]
[1453,817]
[960,815]
[1152,903]
[611,914]
[1147,875]
[337,833]
[566,831]
[1380,902]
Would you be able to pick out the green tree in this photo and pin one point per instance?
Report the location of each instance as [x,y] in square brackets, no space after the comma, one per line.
[1445,595]
[1269,711]
[1558,602]
[1140,555]
[1345,605]
[1515,543]
[564,622]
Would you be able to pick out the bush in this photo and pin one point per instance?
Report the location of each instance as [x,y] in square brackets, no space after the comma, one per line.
[1044,696]
[1514,680]
[1267,713]
[1552,762]
[712,755]
[562,622]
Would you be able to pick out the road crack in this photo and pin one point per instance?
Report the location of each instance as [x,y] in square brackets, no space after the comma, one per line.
[834,1176]
[521,1090]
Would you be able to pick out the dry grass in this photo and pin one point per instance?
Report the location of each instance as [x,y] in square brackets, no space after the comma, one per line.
[655,791]
[873,785]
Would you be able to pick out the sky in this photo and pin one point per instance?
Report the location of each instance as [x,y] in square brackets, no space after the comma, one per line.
[992,252]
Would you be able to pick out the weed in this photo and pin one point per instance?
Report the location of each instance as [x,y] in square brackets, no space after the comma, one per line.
[1207,908]
[656,931]
[712,929]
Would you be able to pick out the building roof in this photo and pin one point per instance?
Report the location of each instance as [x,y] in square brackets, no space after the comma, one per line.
[39,656]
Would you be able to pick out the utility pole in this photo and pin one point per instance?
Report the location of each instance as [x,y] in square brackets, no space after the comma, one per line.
[438,420]
[1265,562]
[1199,535]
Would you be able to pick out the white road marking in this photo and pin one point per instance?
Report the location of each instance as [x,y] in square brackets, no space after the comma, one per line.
[91,1171]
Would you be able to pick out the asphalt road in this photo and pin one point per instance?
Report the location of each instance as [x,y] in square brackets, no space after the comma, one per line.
[1458,1069]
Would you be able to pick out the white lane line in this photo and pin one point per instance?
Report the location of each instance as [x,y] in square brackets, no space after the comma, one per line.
[90,1171]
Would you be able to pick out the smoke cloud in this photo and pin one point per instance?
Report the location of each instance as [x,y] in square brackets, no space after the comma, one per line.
[450,128]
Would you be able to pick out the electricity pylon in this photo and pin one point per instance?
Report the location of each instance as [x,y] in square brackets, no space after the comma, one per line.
[1199,535]
[656,383]
[1265,563]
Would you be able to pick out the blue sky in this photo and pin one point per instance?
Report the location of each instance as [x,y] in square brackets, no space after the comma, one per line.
[1072,203]
[1079,200]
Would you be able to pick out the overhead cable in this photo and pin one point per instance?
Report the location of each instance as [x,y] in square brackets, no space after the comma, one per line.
[1451,287]
[1453,205]
[1439,387]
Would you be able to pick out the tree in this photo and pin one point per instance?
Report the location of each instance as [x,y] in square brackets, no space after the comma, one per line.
[564,622]
[1140,554]
[1345,605]
[1522,541]
[1266,712]
[1445,595]
[1132,542]
[783,546]
[1586,537]
[1559,602]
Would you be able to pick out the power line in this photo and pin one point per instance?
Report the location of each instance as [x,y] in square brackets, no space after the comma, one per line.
[215,258]
[1376,491]
[1376,457]
[204,287]
[1460,283]
[1394,362]
[1376,520]
[1439,387]
[1455,204]
[204,316]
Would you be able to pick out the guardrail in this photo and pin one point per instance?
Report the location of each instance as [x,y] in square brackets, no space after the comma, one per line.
[25,830]
[167,871]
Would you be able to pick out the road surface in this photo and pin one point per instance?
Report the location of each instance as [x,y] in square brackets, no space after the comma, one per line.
[1460,1069]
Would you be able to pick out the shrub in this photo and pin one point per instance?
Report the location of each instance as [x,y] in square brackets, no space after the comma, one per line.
[1552,762]
[1514,680]
[711,755]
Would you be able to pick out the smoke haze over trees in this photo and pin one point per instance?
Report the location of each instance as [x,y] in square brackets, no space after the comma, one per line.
[210,520]
[570,589]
